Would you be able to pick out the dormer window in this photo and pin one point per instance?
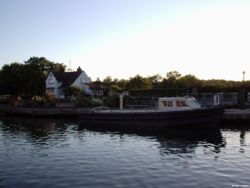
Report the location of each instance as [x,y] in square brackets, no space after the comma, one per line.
[82,80]
[51,81]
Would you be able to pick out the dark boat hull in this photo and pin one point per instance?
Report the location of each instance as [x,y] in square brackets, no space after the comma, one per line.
[198,117]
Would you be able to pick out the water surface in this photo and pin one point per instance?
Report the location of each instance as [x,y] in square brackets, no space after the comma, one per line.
[60,153]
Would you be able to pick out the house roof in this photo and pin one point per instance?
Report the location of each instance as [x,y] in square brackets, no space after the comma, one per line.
[67,78]
[97,85]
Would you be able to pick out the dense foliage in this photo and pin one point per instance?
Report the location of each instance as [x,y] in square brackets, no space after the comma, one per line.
[175,81]
[28,78]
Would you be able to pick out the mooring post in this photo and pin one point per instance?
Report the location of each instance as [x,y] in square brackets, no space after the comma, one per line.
[216,100]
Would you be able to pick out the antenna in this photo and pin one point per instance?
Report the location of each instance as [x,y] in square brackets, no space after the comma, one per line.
[69,66]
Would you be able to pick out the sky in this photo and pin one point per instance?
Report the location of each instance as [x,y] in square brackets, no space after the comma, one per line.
[121,38]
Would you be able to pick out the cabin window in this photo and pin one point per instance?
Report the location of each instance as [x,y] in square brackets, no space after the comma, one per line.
[167,103]
[180,103]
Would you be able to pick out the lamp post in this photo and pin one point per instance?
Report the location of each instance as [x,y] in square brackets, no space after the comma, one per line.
[243,73]
[241,95]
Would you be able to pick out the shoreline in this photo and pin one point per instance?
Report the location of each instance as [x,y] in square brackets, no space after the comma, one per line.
[234,115]
[42,111]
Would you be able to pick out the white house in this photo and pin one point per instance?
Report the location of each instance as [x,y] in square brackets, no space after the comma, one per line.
[57,82]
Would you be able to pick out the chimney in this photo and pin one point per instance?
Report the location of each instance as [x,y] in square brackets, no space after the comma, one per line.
[79,69]
[62,70]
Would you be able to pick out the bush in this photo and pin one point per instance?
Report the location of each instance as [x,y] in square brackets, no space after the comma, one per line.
[83,101]
[111,101]
[37,100]
[49,99]
[97,102]
[75,91]
[5,99]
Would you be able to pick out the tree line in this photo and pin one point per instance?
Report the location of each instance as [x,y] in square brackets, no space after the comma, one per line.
[174,80]
[28,79]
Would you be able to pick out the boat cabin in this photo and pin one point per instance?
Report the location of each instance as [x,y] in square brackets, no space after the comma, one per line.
[178,103]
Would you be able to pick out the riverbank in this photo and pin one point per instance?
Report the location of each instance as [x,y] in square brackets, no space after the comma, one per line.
[236,117]
[42,111]
[234,114]
[230,115]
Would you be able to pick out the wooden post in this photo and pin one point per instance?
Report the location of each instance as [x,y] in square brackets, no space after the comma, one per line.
[216,100]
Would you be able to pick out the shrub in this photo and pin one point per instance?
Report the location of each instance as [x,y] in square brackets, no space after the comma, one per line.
[83,101]
[97,102]
[37,100]
[50,99]
[111,101]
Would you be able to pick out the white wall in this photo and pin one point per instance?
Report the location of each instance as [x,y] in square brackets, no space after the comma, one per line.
[54,85]
[81,81]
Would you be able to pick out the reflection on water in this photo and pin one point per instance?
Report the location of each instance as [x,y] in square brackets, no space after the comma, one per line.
[41,130]
[173,140]
[61,153]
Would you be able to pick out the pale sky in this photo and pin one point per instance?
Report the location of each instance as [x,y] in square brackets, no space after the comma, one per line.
[122,38]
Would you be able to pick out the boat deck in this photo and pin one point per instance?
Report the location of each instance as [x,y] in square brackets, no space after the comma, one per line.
[153,110]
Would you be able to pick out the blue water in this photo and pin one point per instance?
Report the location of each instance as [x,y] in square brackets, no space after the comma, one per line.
[60,153]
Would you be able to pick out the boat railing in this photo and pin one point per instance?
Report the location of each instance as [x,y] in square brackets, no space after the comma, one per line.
[207,99]
[99,109]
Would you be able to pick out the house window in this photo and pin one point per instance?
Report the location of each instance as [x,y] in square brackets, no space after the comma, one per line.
[61,92]
[82,80]
[50,90]
[99,92]
[51,81]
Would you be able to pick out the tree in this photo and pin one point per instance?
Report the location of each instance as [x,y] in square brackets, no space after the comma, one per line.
[44,66]
[171,80]
[173,75]
[12,79]
[122,84]
[155,80]
[189,81]
[27,79]
[38,68]
[107,82]
[139,82]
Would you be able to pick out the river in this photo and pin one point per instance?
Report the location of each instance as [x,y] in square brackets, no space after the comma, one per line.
[62,153]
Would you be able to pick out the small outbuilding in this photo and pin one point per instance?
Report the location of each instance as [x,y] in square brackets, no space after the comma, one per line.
[98,89]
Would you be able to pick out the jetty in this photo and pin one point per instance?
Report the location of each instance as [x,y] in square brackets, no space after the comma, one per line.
[42,111]
[235,114]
